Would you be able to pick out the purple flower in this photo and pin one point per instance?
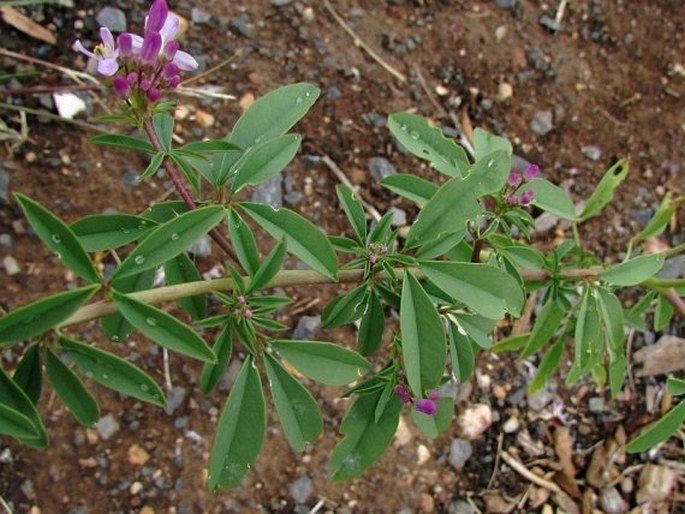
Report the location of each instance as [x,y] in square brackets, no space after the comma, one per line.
[105,53]
[514,179]
[384,248]
[526,197]
[434,395]
[241,299]
[373,258]
[531,172]
[121,85]
[157,16]
[427,406]
[151,47]
[401,391]
[248,313]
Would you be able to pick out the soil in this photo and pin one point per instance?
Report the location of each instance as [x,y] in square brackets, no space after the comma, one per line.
[612,78]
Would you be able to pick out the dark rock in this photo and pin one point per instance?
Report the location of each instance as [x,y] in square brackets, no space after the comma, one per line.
[307,327]
[301,489]
[380,168]
[4,185]
[550,23]
[333,93]
[175,399]
[240,25]
[270,192]
[460,451]
[542,123]
[506,4]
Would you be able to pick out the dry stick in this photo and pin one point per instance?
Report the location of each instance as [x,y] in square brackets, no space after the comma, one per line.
[75,75]
[50,116]
[185,195]
[524,472]
[358,42]
[560,12]
[500,442]
[211,70]
[428,92]
[346,182]
[47,89]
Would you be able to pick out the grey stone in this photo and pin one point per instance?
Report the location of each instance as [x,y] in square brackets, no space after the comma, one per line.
[6,240]
[542,122]
[545,222]
[281,3]
[175,399]
[380,168]
[333,93]
[460,451]
[673,267]
[506,4]
[107,426]
[28,489]
[199,16]
[540,399]
[642,216]
[592,152]
[270,192]
[293,197]
[202,247]
[537,59]
[240,25]
[131,178]
[301,489]
[181,423]
[399,218]
[4,185]
[550,23]
[596,404]
[307,327]
[79,510]
[612,502]
[112,18]
[461,507]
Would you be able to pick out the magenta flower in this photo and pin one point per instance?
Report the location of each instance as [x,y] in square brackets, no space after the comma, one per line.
[531,172]
[514,179]
[427,406]
[105,53]
[248,313]
[401,391]
[526,197]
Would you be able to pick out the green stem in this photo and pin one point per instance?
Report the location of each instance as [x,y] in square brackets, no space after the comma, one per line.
[663,283]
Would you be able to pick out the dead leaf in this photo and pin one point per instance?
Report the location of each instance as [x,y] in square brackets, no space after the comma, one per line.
[665,356]
[598,467]
[26,25]
[565,503]
[563,447]
[537,497]
[495,504]
[656,483]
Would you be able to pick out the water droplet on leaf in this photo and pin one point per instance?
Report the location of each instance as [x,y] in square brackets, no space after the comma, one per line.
[414,135]
[151,321]
[144,387]
[139,260]
[299,100]
[174,236]
[56,238]
[491,162]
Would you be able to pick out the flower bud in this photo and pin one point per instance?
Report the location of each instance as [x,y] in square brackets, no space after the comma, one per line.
[514,179]
[156,16]
[248,313]
[125,42]
[154,94]
[170,49]
[427,407]
[151,47]
[531,172]
[120,85]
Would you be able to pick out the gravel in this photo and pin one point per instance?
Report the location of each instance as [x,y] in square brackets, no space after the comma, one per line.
[112,18]
[307,327]
[380,168]
[107,426]
[4,185]
[460,451]
[301,489]
[175,399]
[270,192]
[542,123]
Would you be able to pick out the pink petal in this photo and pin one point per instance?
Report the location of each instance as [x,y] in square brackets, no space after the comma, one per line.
[79,46]
[106,36]
[107,67]
[185,61]
[136,43]
[170,28]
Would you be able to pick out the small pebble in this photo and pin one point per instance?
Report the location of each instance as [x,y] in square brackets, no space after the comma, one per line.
[426,503]
[204,118]
[460,452]
[542,122]
[504,91]
[11,266]
[592,152]
[380,168]
[301,489]
[511,425]
[199,16]
[112,18]
[135,488]
[107,426]
[423,454]
[475,420]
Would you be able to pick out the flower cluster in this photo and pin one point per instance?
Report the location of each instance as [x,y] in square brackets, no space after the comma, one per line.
[143,67]
[243,310]
[427,406]
[375,250]
[516,180]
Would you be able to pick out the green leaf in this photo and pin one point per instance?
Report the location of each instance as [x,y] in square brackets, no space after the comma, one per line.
[366,439]
[244,243]
[189,172]
[442,214]
[587,339]
[154,165]
[168,240]
[71,390]
[676,386]
[181,270]
[59,238]
[484,142]
[302,239]
[487,290]
[662,313]
[268,269]
[240,432]
[28,374]
[353,210]
[491,172]
[12,396]
[121,141]
[461,353]
[113,372]
[298,412]
[604,191]
[381,230]
[163,124]
[213,373]
[323,362]
[345,308]
[441,245]
[264,160]
[15,424]
[546,325]
[612,317]
[217,168]
[37,317]
[552,199]
[164,211]
[634,271]
[432,426]
[478,328]
[163,328]
[661,218]
[371,327]
[423,337]
[668,425]
[550,362]
[525,257]
[511,343]
[211,145]
[115,326]
[274,114]
[106,231]
[411,187]
[428,143]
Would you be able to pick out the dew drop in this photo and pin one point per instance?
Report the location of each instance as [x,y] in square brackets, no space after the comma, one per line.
[414,135]
[403,128]
[144,387]
[299,100]
[105,376]
[115,338]
[89,374]
[491,162]
[56,238]
[151,321]
[139,259]
[174,236]
[308,94]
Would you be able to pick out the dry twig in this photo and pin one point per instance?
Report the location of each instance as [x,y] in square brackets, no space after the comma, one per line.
[358,42]
[525,473]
